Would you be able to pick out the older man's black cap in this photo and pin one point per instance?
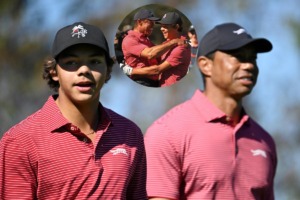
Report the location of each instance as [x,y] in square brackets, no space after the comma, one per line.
[79,33]
[145,14]
[170,18]
[230,36]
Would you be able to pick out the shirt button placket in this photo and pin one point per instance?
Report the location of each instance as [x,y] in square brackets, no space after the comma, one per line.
[97,155]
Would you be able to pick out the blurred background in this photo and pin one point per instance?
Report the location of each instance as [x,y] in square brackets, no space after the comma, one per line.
[28,28]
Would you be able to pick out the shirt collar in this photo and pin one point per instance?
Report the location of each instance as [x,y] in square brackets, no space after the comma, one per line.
[56,120]
[208,110]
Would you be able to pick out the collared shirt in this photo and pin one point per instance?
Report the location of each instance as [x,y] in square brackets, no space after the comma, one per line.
[194,152]
[47,157]
[133,44]
[179,58]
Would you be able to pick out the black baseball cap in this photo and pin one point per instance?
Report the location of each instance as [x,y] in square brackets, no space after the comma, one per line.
[79,33]
[230,36]
[170,18]
[145,14]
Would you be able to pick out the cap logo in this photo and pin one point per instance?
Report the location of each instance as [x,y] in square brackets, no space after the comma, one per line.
[79,31]
[239,31]
[165,15]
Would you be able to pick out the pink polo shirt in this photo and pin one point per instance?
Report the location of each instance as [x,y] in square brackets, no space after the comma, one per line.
[179,58]
[194,153]
[46,157]
[133,44]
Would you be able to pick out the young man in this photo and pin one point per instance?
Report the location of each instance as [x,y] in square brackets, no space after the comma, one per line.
[208,147]
[174,62]
[139,51]
[73,147]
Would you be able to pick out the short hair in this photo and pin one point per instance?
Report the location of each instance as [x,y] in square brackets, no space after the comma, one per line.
[50,64]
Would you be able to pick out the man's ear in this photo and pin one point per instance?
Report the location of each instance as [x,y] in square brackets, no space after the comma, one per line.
[53,74]
[205,65]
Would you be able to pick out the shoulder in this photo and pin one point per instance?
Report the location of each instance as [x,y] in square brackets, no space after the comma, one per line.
[172,122]
[261,134]
[118,118]
[122,123]
[25,126]
[21,136]
[131,36]
[258,128]
[181,50]
[36,125]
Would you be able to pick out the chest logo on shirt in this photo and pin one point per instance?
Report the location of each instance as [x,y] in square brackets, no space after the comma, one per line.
[119,151]
[259,152]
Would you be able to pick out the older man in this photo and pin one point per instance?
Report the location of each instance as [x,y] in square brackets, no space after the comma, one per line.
[209,147]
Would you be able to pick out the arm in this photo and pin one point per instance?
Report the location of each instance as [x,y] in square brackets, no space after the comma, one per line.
[159,50]
[151,70]
[174,59]
[145,71]
[17,179]
[163,163]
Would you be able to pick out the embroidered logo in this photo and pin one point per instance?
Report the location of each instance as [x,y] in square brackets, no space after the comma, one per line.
[259,152]
[239,31]
[119,151]
[79,31]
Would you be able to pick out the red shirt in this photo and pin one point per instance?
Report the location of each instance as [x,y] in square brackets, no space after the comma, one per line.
[133,44]
[194,153]
[179,58]
[46,157]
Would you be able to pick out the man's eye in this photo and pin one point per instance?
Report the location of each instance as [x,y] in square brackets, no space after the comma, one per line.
[71,63]
[242,58]
[96,61]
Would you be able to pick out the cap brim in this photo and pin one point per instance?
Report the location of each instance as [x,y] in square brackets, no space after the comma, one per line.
[64,47]
[260,44]
[161,22]
[154,18]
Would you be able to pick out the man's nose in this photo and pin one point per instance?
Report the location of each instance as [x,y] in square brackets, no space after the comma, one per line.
[84,69]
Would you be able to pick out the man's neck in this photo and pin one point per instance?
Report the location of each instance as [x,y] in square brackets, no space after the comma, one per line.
[82,115]
[229,105]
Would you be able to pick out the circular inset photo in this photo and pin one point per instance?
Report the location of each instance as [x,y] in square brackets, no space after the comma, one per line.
[153,45]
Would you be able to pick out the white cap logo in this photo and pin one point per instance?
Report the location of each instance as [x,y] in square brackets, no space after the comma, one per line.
[79,31]
[239,31]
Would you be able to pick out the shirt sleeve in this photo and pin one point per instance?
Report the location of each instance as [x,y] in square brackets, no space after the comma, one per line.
[176,56]
[17,179]
[163,163]
[131,45]
[137,187]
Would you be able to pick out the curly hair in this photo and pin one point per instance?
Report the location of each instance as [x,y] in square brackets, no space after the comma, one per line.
[50,64]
